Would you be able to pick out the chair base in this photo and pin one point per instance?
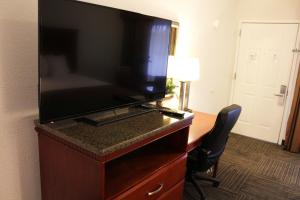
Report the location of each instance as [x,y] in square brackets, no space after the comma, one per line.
[193,178]
[215,182]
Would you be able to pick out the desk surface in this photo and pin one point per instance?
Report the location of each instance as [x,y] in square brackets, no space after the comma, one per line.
[202,124]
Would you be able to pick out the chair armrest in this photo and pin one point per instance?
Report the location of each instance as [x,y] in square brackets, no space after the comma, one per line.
[205,151]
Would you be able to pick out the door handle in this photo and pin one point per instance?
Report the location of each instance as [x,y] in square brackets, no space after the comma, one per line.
[282,92]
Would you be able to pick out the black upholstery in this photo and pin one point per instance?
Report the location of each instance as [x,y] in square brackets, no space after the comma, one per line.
[208,153]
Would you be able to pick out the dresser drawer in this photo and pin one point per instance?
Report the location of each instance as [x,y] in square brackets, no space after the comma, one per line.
[159,183]
[175,193]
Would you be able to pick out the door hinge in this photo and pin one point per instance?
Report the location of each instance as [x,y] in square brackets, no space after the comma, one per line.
[234,76]
[240,33]
[296,50]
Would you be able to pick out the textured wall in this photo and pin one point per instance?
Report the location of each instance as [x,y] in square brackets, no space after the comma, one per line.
[19,171]
[270,10]
[214,42]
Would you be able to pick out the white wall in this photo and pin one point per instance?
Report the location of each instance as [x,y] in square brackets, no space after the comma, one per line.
[19,171]
[215,47]
[19,168]
[269,10]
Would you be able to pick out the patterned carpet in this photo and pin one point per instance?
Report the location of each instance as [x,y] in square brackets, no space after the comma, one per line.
[252,169]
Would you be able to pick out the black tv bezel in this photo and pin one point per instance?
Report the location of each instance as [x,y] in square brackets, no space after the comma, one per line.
[74,116]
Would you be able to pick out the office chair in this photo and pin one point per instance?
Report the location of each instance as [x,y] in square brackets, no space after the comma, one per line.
[207,154]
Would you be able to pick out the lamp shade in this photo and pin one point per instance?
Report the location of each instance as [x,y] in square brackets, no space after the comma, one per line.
[171,67]
[183,69]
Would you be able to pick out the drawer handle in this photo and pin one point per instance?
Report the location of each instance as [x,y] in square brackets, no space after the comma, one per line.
[157,190]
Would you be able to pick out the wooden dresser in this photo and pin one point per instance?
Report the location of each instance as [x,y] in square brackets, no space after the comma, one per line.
[142,157]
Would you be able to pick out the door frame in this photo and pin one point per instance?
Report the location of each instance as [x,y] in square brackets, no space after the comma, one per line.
[293,73]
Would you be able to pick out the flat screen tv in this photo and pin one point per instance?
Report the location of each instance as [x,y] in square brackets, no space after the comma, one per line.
[94,58]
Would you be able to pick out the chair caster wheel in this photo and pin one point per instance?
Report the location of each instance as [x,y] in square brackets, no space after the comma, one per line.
[216,184]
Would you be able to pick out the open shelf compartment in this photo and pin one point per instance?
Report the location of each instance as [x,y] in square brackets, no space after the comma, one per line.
[134,167]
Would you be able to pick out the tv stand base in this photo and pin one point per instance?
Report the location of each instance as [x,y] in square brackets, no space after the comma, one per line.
[106,117]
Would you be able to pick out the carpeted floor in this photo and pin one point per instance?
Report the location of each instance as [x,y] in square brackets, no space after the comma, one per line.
[251,169]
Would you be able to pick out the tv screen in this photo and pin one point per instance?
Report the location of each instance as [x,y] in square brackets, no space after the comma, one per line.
[94,58]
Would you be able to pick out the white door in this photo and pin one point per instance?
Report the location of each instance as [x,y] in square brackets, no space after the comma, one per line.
[263,71]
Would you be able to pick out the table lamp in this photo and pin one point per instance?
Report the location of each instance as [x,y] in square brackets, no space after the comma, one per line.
[185,70]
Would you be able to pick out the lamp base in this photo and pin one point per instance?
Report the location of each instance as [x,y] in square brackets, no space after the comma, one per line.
[184,95]
[188,110]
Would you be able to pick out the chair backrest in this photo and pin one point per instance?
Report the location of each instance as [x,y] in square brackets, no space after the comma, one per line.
[216,140]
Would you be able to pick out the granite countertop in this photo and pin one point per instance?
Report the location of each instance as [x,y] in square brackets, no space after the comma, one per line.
[108,138]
